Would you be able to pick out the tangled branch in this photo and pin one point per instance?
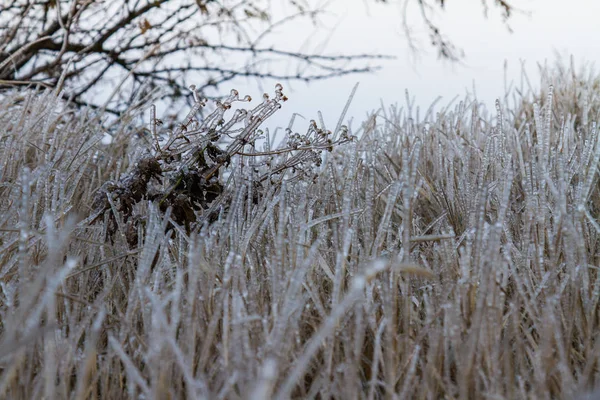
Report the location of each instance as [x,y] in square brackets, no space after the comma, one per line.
[100,46]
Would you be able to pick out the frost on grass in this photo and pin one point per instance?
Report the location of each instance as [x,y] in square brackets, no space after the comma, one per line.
[446,256]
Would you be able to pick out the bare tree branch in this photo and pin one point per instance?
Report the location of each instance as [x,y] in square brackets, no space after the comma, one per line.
[104,43]
[206,42]
[445,48]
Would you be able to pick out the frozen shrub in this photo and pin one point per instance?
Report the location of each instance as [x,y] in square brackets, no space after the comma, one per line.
[184,174]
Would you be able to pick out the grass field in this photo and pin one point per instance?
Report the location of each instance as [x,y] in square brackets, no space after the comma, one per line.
[446,256]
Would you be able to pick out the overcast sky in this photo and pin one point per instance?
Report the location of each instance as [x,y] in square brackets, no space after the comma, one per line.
[359,26]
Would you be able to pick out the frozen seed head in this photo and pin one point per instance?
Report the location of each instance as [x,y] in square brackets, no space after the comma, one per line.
[197,98]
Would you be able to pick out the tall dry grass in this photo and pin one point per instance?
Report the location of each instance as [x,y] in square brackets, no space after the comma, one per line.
[451,256]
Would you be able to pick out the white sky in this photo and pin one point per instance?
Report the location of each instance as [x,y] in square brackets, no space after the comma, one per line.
[363,26]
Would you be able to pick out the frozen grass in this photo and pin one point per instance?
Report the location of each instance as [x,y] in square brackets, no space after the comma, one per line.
[449,256]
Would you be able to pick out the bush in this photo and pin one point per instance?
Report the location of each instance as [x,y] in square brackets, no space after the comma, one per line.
[446,257]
